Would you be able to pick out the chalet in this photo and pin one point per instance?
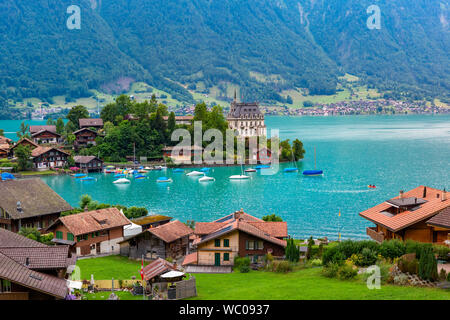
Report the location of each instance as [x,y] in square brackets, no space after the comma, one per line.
[180,120]
[91,232]
[29,203]
[96,123]
[45,134]
[84,137]
[167,240]
[440,225]
[237,234]
[182,154]
[45,158]
[410,216]
[151,221]
[246,119]
[25,142]
[30,270]
[88,163]
[5,147]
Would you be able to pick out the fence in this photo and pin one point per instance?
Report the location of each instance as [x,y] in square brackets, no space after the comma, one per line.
[186,288]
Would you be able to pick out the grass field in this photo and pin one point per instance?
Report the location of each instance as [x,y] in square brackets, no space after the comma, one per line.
[305,284]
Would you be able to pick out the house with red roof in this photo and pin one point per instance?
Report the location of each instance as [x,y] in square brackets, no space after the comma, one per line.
[238,234]
[417,215]
[167,240]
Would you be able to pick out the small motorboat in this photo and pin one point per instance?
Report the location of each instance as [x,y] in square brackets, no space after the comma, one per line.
[195,173]
[206,179]
[87,179]
[239,176]
[164,179]
[119,175]
[205,169]
[142,171]
[313,173]
[122,181]
[139,176]
[177,170]
[263,166]
[79,175]
[250,170]
[290,170]
[148,168]
[371,186]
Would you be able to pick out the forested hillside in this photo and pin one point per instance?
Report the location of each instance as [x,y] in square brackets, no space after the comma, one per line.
[260,46]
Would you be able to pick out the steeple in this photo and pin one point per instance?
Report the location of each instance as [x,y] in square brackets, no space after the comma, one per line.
[235,95]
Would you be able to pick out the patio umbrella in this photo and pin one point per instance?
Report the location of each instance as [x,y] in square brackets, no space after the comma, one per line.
[172,274]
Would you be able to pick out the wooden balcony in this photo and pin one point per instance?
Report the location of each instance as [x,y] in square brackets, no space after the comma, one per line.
[377,236]
[14,296]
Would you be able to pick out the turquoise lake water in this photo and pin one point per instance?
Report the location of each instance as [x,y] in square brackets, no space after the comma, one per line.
[393,152]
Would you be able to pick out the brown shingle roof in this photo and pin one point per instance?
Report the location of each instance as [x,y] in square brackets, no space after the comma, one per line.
[156,268]
[42,131]
[36,129]
[11,239]
[91,122]
[92,221]
[442,219]
[35,196]
[26,140]
[41,150]
[48,257]
[84,159]
[17,273]
[171,231]
[5,140]
[431,207]
[150,219]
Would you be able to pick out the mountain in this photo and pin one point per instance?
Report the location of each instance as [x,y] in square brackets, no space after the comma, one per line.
[261,46]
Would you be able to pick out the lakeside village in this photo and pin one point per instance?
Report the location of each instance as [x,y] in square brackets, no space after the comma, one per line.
[51,250]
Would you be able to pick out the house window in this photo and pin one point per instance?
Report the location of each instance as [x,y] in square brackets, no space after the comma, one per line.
[70,236]
[95,234]
[226,242]
[217,243]
[5,286]
[59,235]
[82,237]
[260,245]
[226,256]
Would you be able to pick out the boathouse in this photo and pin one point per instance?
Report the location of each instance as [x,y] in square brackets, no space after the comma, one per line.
[88,163]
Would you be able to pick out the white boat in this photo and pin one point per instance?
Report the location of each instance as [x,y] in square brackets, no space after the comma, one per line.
[164,179]
[206,179]
[239,176]
[121,181]
[250,170]
[195,173]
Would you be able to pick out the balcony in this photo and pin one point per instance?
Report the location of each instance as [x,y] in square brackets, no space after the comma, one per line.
[377,236]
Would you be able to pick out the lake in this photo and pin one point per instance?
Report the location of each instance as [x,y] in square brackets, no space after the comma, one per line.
[392,152]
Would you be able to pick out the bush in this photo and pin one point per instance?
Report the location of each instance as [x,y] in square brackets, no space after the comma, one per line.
[392,249]
[331,270]
[292,252]
[368,257]
[428,265]
[244,268]
[408,263]
[239,262]
[401,280]
[281,266]
[448,276]
[441,252]
[268,258]
[316,262]
[347,271]
[442,275]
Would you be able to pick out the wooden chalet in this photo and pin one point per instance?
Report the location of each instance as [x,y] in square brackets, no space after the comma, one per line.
[45,158]
[45,134]
[88,163]
[167,240]
[151,221]
[181,120]
[25,142]
[5,147]
[414,215]
[217,243]
[84,137]
[30,270]
[91,232]
[29,203]
[96,123]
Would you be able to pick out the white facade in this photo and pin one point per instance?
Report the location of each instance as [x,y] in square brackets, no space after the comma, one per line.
[246,119]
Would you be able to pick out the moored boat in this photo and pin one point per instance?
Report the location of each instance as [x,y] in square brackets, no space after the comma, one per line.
[122,181]
[164,179]
[206,179]
[195,173]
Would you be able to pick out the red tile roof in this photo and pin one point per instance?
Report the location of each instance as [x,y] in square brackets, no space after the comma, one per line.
[156,268]
[48,257]
[442,219]
[431,207]
[190,259]
[171,231]
[92,221]
[275,229]
[202,228]
[17,273]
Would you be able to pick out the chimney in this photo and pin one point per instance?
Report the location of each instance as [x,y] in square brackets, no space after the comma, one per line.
[19,207]
[86,209]
[27,261]
[424,192]
[444,195]
[400,196]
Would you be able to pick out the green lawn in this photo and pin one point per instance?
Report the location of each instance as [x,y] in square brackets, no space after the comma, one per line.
[123,295]
[299,285]
[37,173]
